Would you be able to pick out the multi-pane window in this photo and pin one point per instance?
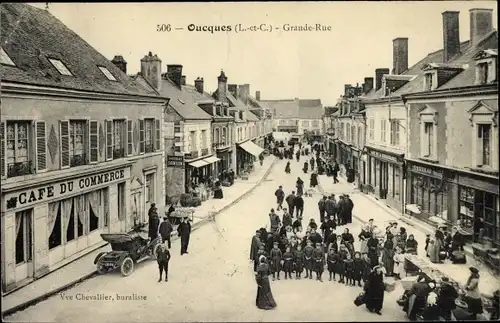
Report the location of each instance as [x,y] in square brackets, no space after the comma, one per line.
[372,129]
[149,125]
[482,73]
[224,136]
[348,132]
[119,130]
[394,132]
[24,236]
[428,139]
[77,142]
[305,123]
[315,123]
[483,144]
[428,81]
[18,145]
[360,136]
[382,130]
[61,68]
[353,134]
[193,146]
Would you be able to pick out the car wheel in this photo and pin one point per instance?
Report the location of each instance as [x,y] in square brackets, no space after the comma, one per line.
[127,266]
[155,249]
[101,270]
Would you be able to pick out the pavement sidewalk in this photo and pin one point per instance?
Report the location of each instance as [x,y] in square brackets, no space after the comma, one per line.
[367,207]
[84,268]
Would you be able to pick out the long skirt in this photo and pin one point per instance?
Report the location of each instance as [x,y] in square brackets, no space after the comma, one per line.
[275,266]
[374,300]
[388,260]
[265,299]
[319,266]
[309,264]
[299,267]
[288,266]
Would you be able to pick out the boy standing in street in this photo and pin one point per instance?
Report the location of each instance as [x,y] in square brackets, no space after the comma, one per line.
[163,258]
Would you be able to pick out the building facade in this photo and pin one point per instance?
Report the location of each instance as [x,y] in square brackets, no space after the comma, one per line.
[81,149]
[453,155]
[311,114]
[285,115]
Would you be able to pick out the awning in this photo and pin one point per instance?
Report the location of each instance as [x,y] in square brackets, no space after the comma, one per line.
[211,160]
[251,148]
[198,163]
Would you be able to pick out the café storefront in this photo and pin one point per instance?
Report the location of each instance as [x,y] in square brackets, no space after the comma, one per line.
[46,225]
[386,176]
[466,199]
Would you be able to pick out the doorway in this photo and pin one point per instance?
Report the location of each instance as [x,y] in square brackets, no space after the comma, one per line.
[24,245]
[384,180]
[149,197]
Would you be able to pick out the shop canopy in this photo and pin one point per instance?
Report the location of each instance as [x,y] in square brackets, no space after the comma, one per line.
[251,148]
[211,160]
[198,163]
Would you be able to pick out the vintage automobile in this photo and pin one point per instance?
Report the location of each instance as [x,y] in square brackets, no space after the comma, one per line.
[127,250]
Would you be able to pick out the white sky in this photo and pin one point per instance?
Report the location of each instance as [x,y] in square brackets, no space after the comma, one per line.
[279,64]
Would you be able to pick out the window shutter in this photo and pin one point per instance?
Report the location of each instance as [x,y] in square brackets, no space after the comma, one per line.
[2,148]
[94,140]
[130,142]
[141,137]
[109,139]
[479,150]
[158,135]
[64,133]
[41,146]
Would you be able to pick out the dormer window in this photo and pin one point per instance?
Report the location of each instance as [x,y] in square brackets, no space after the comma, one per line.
[428,82]
[486,66]
[107,73]
[60,67]
[5,59]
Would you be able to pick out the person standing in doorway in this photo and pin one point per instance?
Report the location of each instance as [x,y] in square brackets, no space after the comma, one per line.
[165,231]
[184,231]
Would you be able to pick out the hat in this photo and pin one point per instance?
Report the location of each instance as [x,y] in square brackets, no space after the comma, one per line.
[370,220]
[474,270]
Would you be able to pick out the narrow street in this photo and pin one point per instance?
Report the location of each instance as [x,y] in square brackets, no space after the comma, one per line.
[203,284]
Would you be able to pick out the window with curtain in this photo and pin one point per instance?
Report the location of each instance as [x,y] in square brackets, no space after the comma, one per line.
[94,199]
[54,224]
[149,125]
[20,238]
[69,216]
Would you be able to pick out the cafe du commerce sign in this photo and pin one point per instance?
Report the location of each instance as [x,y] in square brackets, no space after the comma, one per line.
[63,188]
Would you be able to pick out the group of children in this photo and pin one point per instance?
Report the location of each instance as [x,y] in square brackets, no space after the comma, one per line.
[313,259]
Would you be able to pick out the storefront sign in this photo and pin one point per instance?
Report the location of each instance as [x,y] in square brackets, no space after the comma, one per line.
[64,188]
[175,161]
[382,156]
[426,171]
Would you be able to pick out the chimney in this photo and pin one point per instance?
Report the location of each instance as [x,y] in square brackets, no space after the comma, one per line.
[198,84]
[151,70]
[399,55]
[183,80]
[451,35]
[174,74]
[379,72]
[244,92]
[368,85]
[233,89]
[119,62]
[257,95]
[347,87]
[222,87]
[481,23]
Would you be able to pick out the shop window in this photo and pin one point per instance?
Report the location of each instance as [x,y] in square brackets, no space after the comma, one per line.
[397,181]
[479,213]
[121,201]
[18,145]
[23,237]
[105,206]
[315,123]
[55,225]
[95,209]
[466,213]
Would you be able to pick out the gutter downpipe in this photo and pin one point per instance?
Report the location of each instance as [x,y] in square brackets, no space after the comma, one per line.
[407,135]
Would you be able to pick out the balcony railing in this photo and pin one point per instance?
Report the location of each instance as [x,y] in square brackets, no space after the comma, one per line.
[19,169]
[149,148]
[118,153]
[192,154]
[204,151]
[78,160]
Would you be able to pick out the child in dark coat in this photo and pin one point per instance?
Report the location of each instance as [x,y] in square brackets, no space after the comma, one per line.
[299,262]
[276,257]
[308,259]
[359,265]
[343,252]
[332,260]
[288,263]
[319,261]
[349,270]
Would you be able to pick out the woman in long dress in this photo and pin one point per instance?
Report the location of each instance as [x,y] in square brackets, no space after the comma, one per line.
[374,291]
[314,180]
[300,186]
[433,250]
[388,255]
[264,299]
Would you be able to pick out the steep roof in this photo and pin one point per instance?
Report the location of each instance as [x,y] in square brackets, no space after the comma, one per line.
[183,101]
[311,109]
[30,36]
[283,109]
[197,96]
[468,76]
